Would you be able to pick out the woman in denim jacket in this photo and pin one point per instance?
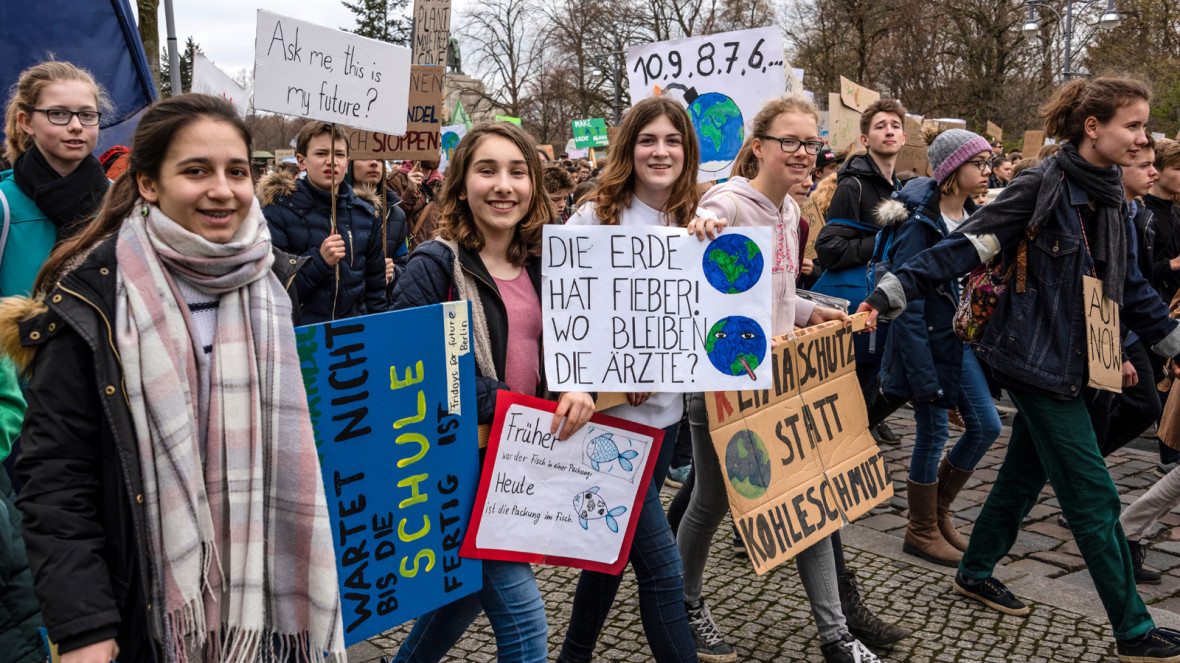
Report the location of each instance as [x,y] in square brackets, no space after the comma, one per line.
[1070,214]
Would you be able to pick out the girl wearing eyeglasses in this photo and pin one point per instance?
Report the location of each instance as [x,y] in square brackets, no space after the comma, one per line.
[779,155]
[924,361]
[51,127]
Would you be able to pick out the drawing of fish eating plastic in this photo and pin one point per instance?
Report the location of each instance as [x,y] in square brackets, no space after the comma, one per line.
[589,506]
[602,449]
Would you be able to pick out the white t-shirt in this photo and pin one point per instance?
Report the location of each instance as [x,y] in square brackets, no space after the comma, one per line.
[951,224]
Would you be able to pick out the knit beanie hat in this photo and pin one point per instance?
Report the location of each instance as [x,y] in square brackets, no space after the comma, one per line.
[953,148]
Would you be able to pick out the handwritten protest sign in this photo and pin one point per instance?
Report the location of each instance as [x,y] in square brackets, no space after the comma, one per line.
[590,133]
[567,503]
[995,131]
[815,223]
[914,160]
[723,80]
[208,78]
[315,72]
[797,457]
[395,429]
[1103,341]
[844,111]
[913,131]
[422,138]
[432,31]
[655,309]
[1033,142]
[450,140]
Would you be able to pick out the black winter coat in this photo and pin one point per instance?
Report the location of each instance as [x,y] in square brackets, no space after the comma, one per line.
[1165,246]
[82,496]
[300,221]
[860,188]
[20,614]
[429,279]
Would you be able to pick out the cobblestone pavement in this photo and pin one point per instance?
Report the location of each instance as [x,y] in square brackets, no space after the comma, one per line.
[767,618]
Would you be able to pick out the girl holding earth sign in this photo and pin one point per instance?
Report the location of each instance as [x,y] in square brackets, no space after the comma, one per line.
[655,186]
[779,154]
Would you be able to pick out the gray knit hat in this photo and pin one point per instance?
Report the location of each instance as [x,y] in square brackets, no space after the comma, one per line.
[953,148]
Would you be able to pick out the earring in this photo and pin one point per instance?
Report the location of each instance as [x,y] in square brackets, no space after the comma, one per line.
[144,211]
[1094,143]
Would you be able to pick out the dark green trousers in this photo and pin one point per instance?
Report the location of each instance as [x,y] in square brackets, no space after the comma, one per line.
[1054,440]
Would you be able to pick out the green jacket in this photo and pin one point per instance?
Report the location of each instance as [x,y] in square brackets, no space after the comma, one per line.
[31,236]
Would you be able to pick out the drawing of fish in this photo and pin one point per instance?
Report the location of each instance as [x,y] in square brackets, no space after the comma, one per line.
[589,506]
[602,449]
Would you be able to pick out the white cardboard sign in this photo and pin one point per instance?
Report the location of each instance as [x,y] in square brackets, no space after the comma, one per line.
[311,71]
[723,80]
[654,309]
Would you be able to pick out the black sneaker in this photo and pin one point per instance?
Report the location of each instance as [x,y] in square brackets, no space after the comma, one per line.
[862,623]
[1143,575]
[990,592]
[848,650]
[1162,469]
[711,647]
[883,433]
[1159,645]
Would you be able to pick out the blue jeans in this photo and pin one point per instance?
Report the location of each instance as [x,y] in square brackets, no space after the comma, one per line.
[656,562]
[514,607]
[930,426]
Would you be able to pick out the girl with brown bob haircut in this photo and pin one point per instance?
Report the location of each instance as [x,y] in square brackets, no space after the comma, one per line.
[489,253]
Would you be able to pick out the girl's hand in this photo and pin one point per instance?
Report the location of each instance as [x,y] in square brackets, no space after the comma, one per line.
[388,270]
[806,267]
[638,398]
[1130,375]
[99,652]
[870,321]
[575,408]
[706,228]
[823,314]
[416,177]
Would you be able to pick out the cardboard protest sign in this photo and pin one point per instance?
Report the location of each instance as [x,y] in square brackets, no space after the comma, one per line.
[590,133]
[844,109]
[208,78]
[567,503]
[656,309]
[723,80]
[995,131]
[421,140]
[281,155]
[431,32]
[913,159]
[315,72]
[815,222]
[1033,142]
[450,140]
[913,131]
[395,429]
[798,458]
[1103,342]
[548,150]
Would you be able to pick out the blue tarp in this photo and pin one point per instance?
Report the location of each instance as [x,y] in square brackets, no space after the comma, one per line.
[99,35]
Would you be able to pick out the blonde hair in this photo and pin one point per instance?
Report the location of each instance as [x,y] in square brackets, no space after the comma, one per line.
[746,164]
[822,196]
[27,90]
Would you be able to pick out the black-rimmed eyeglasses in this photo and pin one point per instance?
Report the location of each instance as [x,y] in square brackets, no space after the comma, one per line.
[792,145]
[87,118]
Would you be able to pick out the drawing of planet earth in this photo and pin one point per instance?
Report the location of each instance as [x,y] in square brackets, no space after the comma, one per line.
[748,464]
[450,140]
[732,263]
[720,129]
[736,345]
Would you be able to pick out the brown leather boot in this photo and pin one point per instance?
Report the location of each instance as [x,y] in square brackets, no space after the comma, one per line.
[950,481]
[922,537]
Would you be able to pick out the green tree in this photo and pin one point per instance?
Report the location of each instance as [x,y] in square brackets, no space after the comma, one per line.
[385,20]
[191,48]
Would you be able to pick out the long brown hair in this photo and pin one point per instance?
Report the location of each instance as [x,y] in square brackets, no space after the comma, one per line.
[617,185]
[27,90]
[457,223]
[1065,114]
[746,164]
[149,145]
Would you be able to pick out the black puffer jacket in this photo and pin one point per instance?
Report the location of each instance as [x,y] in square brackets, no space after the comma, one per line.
[1165,245]
[860,188]
[299,215]
[429,279]
[82,496]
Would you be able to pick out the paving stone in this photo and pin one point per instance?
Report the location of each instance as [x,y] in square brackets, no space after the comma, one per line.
[1070,563]
[1051,529]
[883,523]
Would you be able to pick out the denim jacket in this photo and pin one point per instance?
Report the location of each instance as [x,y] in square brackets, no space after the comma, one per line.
[1036,340]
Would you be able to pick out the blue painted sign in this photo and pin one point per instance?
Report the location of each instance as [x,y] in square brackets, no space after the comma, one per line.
[392,402]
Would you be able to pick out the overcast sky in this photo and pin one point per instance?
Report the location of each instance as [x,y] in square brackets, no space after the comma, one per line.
[225,28]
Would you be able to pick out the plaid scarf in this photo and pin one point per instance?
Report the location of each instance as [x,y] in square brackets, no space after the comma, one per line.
[238,530]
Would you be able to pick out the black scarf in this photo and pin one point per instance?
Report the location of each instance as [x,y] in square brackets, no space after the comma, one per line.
[64,200]
[1105,188]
